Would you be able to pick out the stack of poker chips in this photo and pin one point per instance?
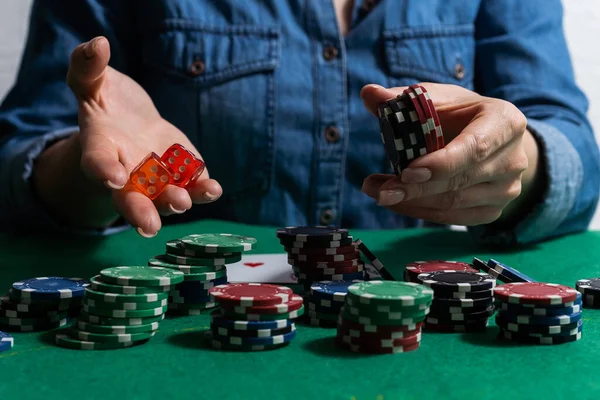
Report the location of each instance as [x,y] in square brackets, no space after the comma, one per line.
[254,316]
[122,307]
[502,272]
[416,268]
[590,290]
[539,313]
[381,317]
[325,302]
[321,253]
[463,301]
[203,259]
[41,304]
[409,127]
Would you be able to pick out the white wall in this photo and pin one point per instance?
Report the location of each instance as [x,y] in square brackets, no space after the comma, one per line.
[582,24]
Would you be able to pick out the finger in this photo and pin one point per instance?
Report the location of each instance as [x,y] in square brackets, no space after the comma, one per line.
[87,68]
[373,95]
[466,217]
[138,210]
[372,184]
[204,191]
[493,126]
[100,158]
[173,200]
[509,162]
[484,194]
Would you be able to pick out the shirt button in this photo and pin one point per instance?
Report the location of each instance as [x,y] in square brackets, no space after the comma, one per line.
[327,217]
[197,67]
[332,134]
[459,71]
[330,52]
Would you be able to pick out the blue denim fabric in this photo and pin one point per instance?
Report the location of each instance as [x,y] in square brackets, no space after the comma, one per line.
[259,111]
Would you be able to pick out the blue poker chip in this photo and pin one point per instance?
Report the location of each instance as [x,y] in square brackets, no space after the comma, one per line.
[482,266]
[6,342]
[533,330]
[217,319]
[551,320]
[522,309]
[51,287]
[509,272]
[256,341]
[332,290]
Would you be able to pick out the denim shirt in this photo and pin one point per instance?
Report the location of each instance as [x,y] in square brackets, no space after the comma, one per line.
[268,91]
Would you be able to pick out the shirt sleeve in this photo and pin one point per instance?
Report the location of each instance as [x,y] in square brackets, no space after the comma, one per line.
[40,108]
[522,57]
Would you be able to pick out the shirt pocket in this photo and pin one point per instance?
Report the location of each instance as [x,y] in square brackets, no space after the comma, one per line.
[443,54]
[217,84]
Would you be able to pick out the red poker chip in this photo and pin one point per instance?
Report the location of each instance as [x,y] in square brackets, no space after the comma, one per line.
[251,294]
[381,350]
[377,329]
[324,257]
[418,93]
[320,250]
[535,293]
[416,268]
[422,119]
[436,119]
[294,304]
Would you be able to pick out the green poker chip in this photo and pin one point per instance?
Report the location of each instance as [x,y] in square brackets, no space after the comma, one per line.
[379,320]
[109,338]
[386,308]
[142,276]
[125,298]
[262,317]
[124,306]
[218,242]
[111,321]
[205,276]
[107,312]
[216,260]
[390,292]
[116,329]
[66,341]
[160,261]
[97,284]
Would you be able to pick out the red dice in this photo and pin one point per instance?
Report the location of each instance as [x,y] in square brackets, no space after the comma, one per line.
[184,166]
[151,176]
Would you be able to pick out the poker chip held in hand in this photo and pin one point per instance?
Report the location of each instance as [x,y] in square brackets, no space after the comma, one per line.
[410,127]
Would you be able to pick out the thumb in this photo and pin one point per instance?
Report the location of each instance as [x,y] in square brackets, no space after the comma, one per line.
[373,95]
[87,68]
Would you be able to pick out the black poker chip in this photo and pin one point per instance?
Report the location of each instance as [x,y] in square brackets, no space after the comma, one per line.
[458,281]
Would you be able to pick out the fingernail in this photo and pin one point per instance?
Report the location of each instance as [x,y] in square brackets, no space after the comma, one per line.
[390,197]
[209,196]
[416,175]
[112,185]
[174,210]
[90,49]
[144,234]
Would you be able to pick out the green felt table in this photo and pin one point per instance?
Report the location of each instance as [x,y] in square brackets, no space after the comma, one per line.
[177,364]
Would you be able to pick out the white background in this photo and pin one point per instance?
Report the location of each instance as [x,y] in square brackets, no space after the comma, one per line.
[582,24]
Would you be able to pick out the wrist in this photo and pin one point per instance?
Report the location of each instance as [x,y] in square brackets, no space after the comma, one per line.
[69,196]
